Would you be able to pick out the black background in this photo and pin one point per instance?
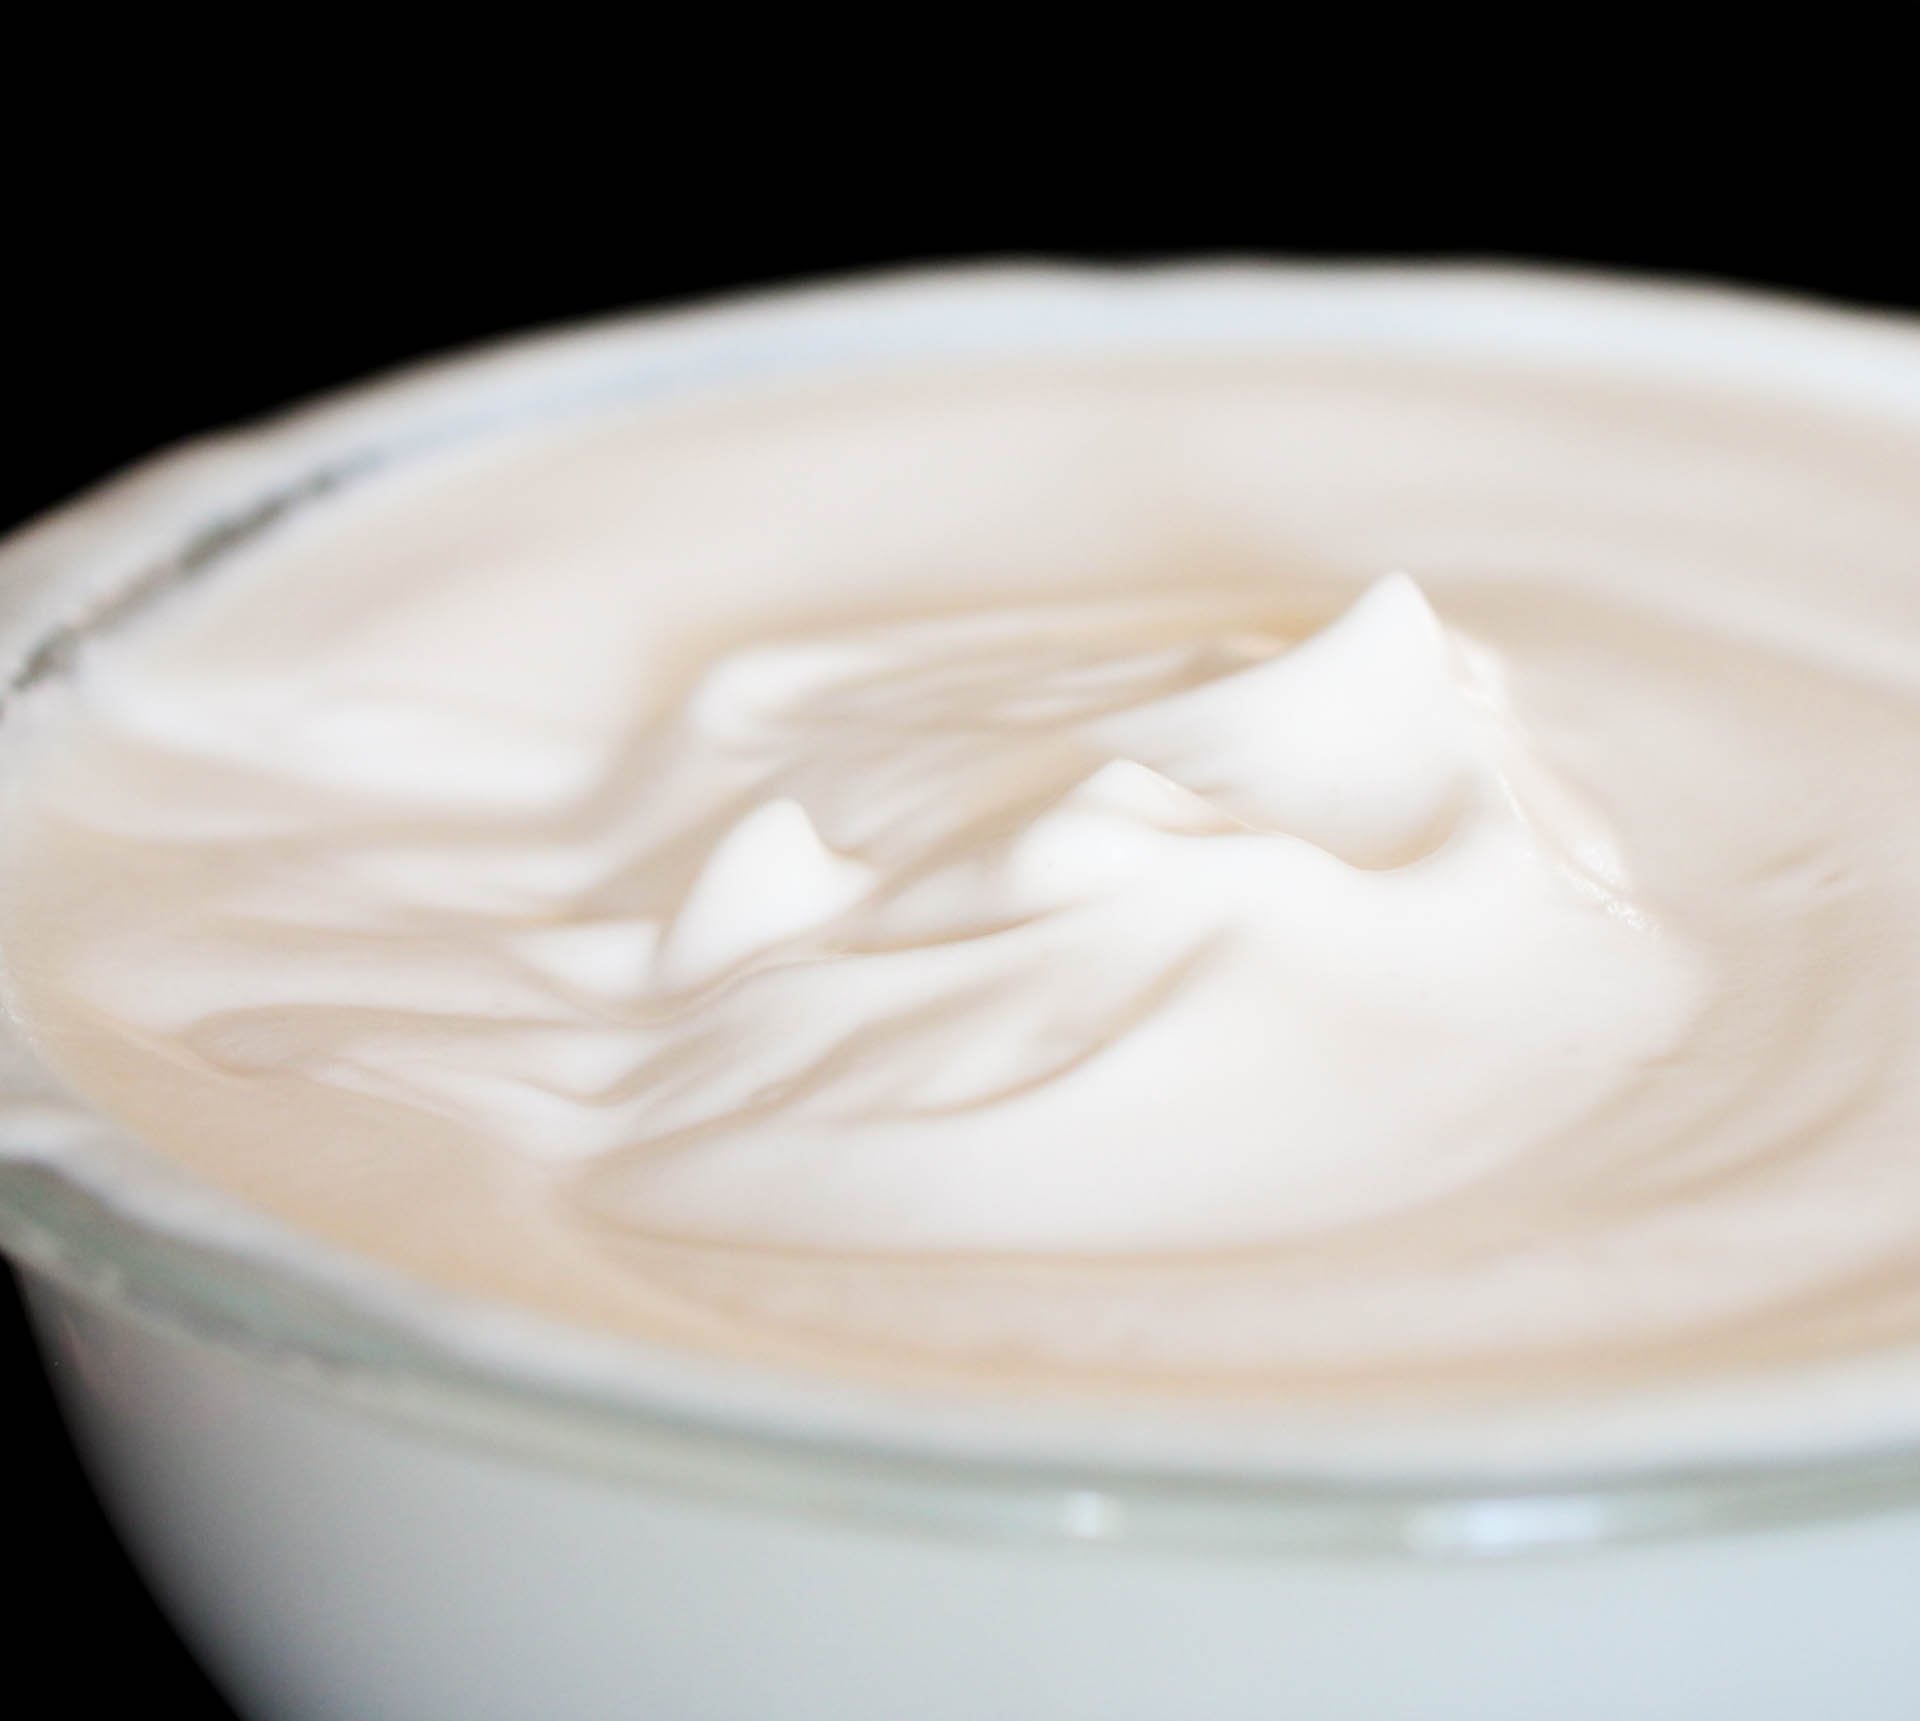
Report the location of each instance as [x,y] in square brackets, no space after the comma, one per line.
[189,247]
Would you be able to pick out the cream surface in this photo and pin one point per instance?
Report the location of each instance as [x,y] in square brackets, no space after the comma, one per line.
[1094,927]
[1008,880]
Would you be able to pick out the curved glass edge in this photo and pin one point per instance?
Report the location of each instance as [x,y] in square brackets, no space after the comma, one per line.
[269,1316]
[266,1319]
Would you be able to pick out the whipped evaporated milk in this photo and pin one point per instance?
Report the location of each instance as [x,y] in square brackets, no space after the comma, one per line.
[1296,911]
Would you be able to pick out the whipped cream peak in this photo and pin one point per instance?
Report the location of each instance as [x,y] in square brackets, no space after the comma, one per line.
[1359,740]
[767,881]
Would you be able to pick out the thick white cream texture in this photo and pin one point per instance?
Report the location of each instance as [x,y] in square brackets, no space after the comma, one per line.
[1121,981]
[999,876]
[1032,929]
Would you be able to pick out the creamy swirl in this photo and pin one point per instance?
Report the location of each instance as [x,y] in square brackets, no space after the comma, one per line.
[1084,928]
[1142,973]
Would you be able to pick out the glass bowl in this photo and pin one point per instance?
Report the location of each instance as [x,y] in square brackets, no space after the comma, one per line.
[367,1499]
